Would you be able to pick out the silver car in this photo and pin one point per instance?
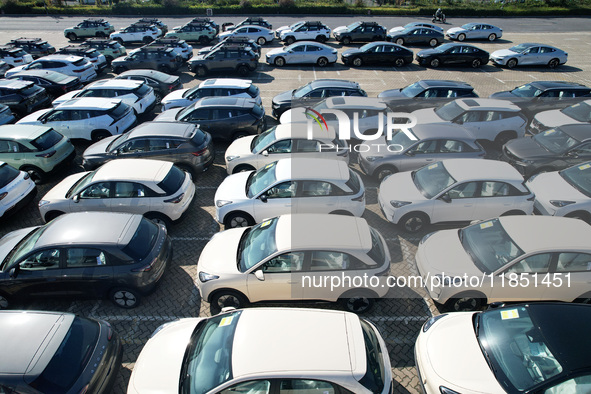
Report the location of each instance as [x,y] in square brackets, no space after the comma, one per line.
[529,55]
[302,52]
[475,31]
[259,34]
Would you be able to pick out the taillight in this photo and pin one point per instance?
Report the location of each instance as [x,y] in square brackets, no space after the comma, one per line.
[109,331]
[200,153]
[18,61]
[27,176]
[3,195]
[46,155]
[170,87]
[79,70]
[145,268]
[360,198]
[176,200]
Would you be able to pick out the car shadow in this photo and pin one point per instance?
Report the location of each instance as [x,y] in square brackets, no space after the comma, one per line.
[544,69]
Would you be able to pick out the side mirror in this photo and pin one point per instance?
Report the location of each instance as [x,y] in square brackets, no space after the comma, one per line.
[409,153]
[259,275]
[12,273]
[265,153]
[115,152]
[76,198]
[446,198]
[263,197]
[573,154]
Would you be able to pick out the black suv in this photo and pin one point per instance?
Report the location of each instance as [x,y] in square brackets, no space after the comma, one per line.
[55,83]
[313,92]
[236,58]
[35,46]
[23,97]
[207,21]
[251,21]
[156,22]
[155,58]
[360,32]
[91,54]
[426,93]
[256,48]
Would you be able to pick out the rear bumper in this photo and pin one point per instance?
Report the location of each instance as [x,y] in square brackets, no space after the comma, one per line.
[21,203]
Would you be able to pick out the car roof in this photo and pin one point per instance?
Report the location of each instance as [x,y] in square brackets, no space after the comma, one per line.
[356,103]
[114,83]
[161,129]
[133,170]
[300,131]
[335,83]
[481,169]
[580,132]
[91,103]
[441,131]
[474,103]
[63,57]
[443,83]
[42,74]
[271,333]
[146,73]
[22,131]
[237,102]
[14,84]
[557,84]
[536,232]
[226,82]
[10,48]
[312,168]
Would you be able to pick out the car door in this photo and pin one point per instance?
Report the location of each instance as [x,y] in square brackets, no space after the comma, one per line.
[37,275]
[86,272]
[131,197]
[282,276]
[276,200]
[278,150]
[374,55]
[522,275]
[318,197]
[477,32]
[472,120]
[458,203]
[11,152]
[61,121]
[497,198]
[298,54]
[163,149]
[413,37]
[531,56]
[453,55]
[133,149]
[95,197]
[418,155]
[572,276]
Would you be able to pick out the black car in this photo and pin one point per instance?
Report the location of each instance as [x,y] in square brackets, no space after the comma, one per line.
[4,67]
[155,58]
[23,97]
[379,53]
[237,41]
[417,36]
[57,352]
[551,150]
[313,92]
[55,83]
[34,46]
[250,21]
[207,21]
[426,93]
[156,22]
[452,55]
[360,32]
[228,58]
[162,83]
[91,54]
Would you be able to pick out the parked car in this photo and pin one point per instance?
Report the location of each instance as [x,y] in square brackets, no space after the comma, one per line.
[162,83]
[260,35]
[137,32]
[86,118]
[302,52]
[223,117]
[508,248]
[432,143]
[379,53]
[415,24]
[183,144]
[3,68]
[136,94]
[6,115]
[250,21]
[216,87]
[563,193]
[529,55]
[517,347]
[488,119]
[454,190]
[91,27]
[110,48]
[156,22]
[228,41]
[17,189]
[453,54]
[98,60]
[305,30]
[417,36]
[33,46]
[112,255]
[550,150]
[356,250]
[290,185]
[37,150]
[284,141]
[360,32]
[74,66]
[155,58]
[69,353]
[181,47]
[426,93]
[236,58]
[282,361]
[475,31]
[313,92]
[14,56]
[22,97]
[54,83]
[579,113]
[200,32]
[207,21]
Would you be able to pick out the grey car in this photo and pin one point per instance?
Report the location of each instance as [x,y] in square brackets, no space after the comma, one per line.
[156,58]
[426,93]
[231,58]
[432,143]
[187,146]
[417,36]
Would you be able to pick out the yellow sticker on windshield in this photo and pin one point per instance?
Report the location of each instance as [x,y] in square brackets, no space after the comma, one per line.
[584,167]
[486,225]
[269,165]
[548,132]
[432,166]
[265,224]
[509,314]
[226,321]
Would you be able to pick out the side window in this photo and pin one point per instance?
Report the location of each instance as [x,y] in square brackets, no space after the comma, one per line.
[287,262]
[452,146]
[425,147]
[317,93]
[317,189]
[133,146]
[495,189]
[580,384]
[329,261]
[58,116]
[282,190]
[464,190]
[307,146]
[305,386]
[490,116]
[44,260]
[471,116]
[280,147]
[84,257]
[11,147]
[129,190]
[573,262]
[252,387]
[533,50]
[199,114]
[536,263]
[583,149]
[299,48]
[98,190]
[159,144]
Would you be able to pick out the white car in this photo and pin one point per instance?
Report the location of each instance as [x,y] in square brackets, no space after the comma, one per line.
[264,351]
[529,55]
[86,118]
[475,31]
[504,251]
[215,87]
[136,94]
[16,189]
[307,30]
[289,186]
[258,34]
[304,52]
[415,24]
[74,66]
[154,188]
[14,56]
[579,113]
[284,141]
[455,190]
[139,32]
[563,193]
[488,119]
[277,258]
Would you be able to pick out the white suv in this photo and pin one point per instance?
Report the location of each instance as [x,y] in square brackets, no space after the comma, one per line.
[14,56]
[289,186]
[16,189]
[154,188]
[86,118]
[306,30]
[136,94]
[74,66]
[139,32]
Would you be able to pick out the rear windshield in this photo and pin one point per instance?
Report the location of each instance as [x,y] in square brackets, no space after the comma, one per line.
[79,63]
[353,182]
[45,46]
[47,140]
[74,352]
[142,90]
[7,174]
[253,91]
[30,90]
[119,111]
[377,252]
[18,53]
[142,241]
[172,181]
[258,111]
[199,137]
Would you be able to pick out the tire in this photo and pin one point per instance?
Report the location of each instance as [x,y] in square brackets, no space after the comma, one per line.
[204,40]
[240,134]
[504,137]
[357,62]
[201,71]
[358,303]
[435,63]
[465,303]
[158,218]
[321,39]
[4,302]
[433,42]
[492,37]
[98,135]
[382,172]
[237,220]
[414,222]
[226,298]
[243,70]
[476,63]
[109,59]
[261,41]
[147,40]
[37,175]
[158,97]
[52,215]
[124,297]
[289,40]
[242,168]
[346,41]
[513,213]
[100,34]
[119,40]
[399,62]
[322,62]
[72,36]
[511,63]
[164,68]
[461,37]
[553,63]
[581,215]
[279,61]
[119,70]
[400,41]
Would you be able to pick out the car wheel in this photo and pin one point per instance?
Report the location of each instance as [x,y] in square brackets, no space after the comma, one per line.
[358,303]
[158,97]
[553,63]
[158,218]
[164,68]
[261,41]
[242,168]
[385,171]
[37,175]
[119,40]
[243,71]
[124,297]
[147,40]
[461,37]
[414,222]
[357,62]
[237,220]
[346,41]
[504,137]
[466,303]
[4,302]
[476,63]
[279,61]
[289,40]
[434,63]
[72,36]
[514,213]
[433,42]
[400,41]
[98,135]
[119,70]
[511,63]
[203,40]
[321,38]
[322,62]
[399,62]
[492,37]
[52,215]
[109,59]
[201,71]
[581,215]
[226,298]
[100,34]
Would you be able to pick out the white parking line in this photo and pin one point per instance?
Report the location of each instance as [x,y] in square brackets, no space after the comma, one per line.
[500,80]
[405,319]
[191,238]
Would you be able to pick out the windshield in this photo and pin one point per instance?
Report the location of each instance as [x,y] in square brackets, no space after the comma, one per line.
[374,378]
[47,140]
[353,25]
[7,174]
[580,112]
[208,359]
[516,348]
[399,138]
[117,142]
[23,247]
[579,177]
[467,26]
[80,184]
[184,112]
[301,92]
[449,111]
[555,140]
[489,245]
[432,179]
[526,91]
[520,48]
[256,244]
[412,90]
[262,140]
[260,180]
[189,92]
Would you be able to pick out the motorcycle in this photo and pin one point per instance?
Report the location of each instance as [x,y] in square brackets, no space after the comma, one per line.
[438,18]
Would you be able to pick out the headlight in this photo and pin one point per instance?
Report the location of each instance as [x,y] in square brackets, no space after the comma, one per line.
[445,390]
[205,277]
[156,331]
[561,203]
[432,321]
[230,158]
[43,202]
[373,158]
[399,204]
[221,203]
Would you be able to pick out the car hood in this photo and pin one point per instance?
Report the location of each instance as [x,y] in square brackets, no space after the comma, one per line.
[401,187]
[219,255]
[503,94]
[282,28]
[551,186]
[526,148]
[9,241]
[120,59]
[99,148]
[275,52]
[34,117]
[392,93]
[65,97]
[283,97]
[554,118]
[58,192]
[233,187]
[395,29]
[240,147]
[428,52]
[456,30]
[168,115]
[340,29]
[456,261]
[350,52]
[174,96]
[225,34]
[427,115]
[503,53]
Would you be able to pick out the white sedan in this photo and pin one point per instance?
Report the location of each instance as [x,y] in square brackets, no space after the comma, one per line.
[475,31]
[415,24]
[529,55]
[579,113]
[260,35]
[302,52]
